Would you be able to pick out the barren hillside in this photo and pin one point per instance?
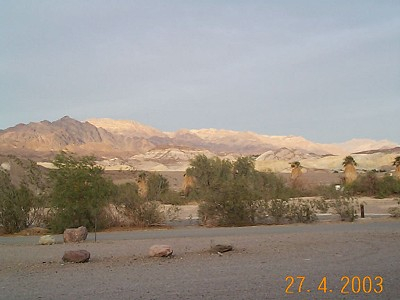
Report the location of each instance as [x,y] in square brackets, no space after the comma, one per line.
[129,144]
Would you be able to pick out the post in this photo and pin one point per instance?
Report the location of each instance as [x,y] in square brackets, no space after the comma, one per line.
[95,228]
[362,210]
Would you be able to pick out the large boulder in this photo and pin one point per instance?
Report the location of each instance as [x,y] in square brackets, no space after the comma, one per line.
[75,235]
[76,256]
[160,251]
[47,240]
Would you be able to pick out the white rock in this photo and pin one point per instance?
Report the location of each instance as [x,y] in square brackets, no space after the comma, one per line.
[47,240]
[6,166]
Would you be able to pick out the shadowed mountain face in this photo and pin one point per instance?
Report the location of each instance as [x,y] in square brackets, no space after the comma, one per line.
[43,139]
[129,140]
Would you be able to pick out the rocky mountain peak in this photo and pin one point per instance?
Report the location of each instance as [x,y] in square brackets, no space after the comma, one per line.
[127,128]
[132,140]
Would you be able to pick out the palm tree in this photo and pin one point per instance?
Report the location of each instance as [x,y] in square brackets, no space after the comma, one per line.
[296,172]
[396,163]
[188,184]
[142,185]
[350,172]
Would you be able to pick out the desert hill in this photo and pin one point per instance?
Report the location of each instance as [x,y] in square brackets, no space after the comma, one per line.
[129,144]
[43,139]
[127,128]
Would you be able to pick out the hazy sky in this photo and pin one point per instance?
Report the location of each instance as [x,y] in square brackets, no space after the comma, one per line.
[325,70]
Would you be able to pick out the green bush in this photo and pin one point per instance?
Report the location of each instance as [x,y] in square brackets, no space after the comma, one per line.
[174,198]
[302,211]
[15,204]
[370,184]
[231,205]
[346,207]
[22,205]
[394,211]
[295,210]
[327,191]
[157,185]
[235,194]
[138,211]
[388,186]
[278,209]
[79,192]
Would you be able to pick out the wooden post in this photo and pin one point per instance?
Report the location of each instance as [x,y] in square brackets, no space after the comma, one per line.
[362,211]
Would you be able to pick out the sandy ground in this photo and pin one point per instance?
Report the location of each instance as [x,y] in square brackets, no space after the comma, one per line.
[263,257]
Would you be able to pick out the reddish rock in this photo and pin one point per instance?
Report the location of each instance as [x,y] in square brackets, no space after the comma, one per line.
[75,235]
[160,251]
[76,256]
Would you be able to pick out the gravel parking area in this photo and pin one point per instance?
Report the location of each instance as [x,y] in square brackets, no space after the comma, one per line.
[258,268]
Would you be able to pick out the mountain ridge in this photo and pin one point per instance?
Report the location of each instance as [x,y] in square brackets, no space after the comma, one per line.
[140,144]
[206,137]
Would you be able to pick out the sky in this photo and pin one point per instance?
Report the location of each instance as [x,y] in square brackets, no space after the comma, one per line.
[325,70]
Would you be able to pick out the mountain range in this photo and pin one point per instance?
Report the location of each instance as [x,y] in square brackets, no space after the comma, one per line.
[134,143]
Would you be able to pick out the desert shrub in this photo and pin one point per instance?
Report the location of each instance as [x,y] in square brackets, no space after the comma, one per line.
[22,205]
[79,192]
[210,173]
[174,198]
[346,207]
[327,191]
[232,194]
[139,211]
[159,190]
[366,184]
[15,204]
[278,209]
[295,210]
[229,205]
[394,211]
[273,187]
[302,211]
[370,184]
[157,186]
[388,186]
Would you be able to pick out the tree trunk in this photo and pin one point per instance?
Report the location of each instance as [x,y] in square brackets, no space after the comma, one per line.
[295,177]
[350,174]
[397,172]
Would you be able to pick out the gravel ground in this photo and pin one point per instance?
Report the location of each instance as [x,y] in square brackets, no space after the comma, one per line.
[263,257]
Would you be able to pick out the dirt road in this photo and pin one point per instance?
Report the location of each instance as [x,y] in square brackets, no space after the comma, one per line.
[264,256]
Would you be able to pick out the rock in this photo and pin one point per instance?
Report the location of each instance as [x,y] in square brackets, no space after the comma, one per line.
[160,251]
[47,240]
[75,235]
[76,256]
[6,166]
[221,248]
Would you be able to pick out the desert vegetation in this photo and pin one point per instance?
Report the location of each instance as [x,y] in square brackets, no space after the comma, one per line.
[77,192]
[22,200]
[234,194]
[396,163]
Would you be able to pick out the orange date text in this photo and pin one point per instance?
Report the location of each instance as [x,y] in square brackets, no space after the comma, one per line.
[348,285]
